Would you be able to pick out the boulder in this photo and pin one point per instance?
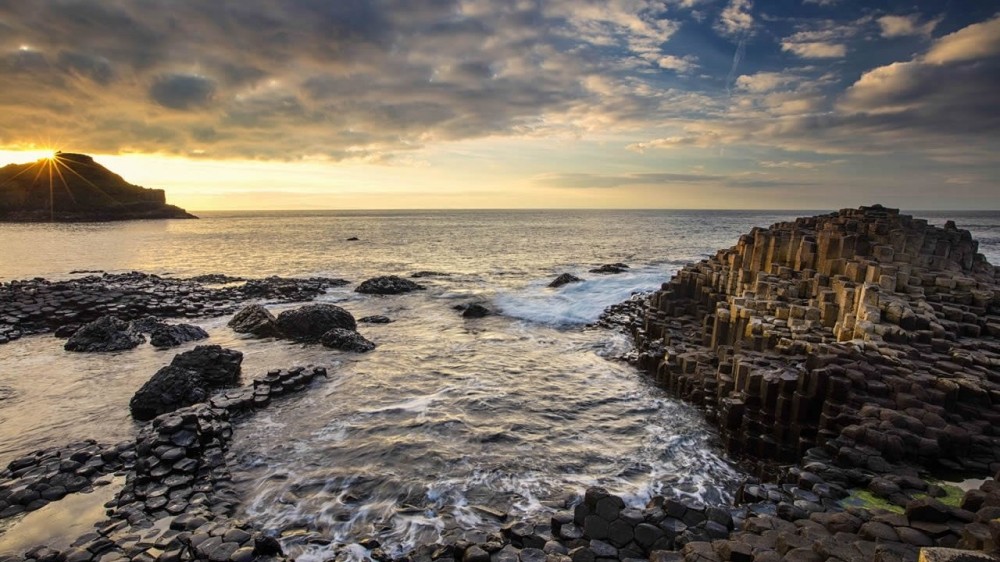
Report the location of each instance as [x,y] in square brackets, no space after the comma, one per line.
[387,285]
[310,322]
[169,389]
[217,365]
[346,340]
[107,333]
[610,268]
[564,279]
[190,378]
[167,335]
[257,320]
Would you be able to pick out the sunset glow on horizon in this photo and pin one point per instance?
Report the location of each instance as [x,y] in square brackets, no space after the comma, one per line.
[472,104]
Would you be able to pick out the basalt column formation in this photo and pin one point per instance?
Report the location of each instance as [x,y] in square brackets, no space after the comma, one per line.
[868,332]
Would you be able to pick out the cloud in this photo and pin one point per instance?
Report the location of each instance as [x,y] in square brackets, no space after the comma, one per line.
[815,49]
[735,19]
[822,2]
[182,91]
[610,181]
[942,107]
[903,26]
[763,81]
[349,79]
[976,41]
[678,64]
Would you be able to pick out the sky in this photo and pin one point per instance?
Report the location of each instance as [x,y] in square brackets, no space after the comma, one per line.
[351,104]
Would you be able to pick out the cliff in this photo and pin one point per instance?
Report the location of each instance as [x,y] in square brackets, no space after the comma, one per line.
[73,187]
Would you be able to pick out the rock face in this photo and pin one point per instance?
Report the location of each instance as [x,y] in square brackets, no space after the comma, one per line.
[867,332]
[346,340]
[107,333]
[564,279]
[86,191]
[388,285]
[190,378]
[172,335]
[257,320]
[308,323]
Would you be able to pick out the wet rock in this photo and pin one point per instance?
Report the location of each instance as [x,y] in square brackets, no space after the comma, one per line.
[105,334]
[611,268]
[376,319]
[257,320]
[167,335]
[564,279]
[387,285]
[308,323]
[346,340]
[476,310]
[189,379]
[218,366]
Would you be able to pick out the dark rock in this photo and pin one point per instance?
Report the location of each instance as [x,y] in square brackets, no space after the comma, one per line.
[346,340]
[564,279]
[476,310]
[173,335]
[107,333]
[257,320]
[217,366]
[308,323]
[377,319]
[927,509]
[387,285]
[189,379]
[610,268]
[353,239]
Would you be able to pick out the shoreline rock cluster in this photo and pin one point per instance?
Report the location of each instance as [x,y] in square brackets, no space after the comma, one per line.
[861,347]
[39,306]
[325,323]
[178,499]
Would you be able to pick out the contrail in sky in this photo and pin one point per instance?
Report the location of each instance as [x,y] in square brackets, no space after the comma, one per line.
[741,50]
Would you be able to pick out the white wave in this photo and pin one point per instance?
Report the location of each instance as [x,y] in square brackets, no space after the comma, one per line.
[578,303]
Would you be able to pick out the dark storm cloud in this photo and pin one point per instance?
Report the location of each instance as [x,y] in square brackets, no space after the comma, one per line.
[98,69]
[182,91]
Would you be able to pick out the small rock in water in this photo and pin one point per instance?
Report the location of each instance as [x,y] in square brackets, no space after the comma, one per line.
[353,239]
[377,319]
[346,340]
[310,322]
[564,279]
[257,320]
[610,268]
[476,310]
[172,336]
[387,285]
[107,333]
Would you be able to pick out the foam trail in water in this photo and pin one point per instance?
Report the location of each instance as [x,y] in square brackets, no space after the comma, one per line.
[578,303]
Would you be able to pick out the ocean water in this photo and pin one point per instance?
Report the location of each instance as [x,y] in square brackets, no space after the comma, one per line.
[406,444]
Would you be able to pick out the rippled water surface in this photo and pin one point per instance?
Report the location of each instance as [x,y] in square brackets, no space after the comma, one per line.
[447,416]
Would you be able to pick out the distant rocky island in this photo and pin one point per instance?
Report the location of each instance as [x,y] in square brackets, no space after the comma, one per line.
[74,188]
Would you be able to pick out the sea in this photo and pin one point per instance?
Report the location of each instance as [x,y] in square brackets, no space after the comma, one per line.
[450,421]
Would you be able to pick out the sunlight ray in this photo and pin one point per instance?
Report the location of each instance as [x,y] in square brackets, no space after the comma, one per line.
[22,172]
[65,184]
[88,182]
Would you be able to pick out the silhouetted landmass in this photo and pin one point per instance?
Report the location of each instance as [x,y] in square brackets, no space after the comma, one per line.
[71,188]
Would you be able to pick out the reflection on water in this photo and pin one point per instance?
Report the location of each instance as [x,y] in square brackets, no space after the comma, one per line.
[58,524]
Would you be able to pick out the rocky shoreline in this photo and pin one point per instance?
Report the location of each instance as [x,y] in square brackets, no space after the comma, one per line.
[851,360]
